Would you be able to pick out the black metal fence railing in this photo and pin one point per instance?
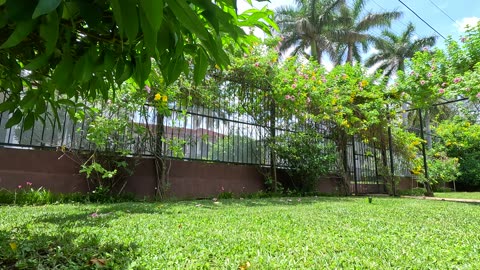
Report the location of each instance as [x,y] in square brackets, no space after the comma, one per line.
[197,133]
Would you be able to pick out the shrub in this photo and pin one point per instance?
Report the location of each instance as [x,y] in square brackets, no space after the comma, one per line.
[413,192]
[307,156]
[28,195]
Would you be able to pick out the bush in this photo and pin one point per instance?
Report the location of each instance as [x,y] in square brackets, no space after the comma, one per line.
[470,169]
[307,156]
[442,189]
[413,192]
[39,196]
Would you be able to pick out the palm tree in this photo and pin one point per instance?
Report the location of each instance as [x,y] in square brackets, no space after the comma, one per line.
[393,50]
[354,28]
[308,25]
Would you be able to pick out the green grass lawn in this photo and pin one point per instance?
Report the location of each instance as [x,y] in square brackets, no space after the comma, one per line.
[458,195]
[278,233]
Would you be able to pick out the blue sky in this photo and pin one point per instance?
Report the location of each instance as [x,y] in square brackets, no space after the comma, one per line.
[461,11]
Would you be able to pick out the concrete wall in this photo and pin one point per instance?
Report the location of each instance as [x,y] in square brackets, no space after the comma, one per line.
[189,179]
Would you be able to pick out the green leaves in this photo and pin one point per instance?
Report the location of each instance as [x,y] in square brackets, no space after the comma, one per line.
[15,119]
[188,18]
[126,17]
[153,10]
[45,6]
[201,65]
[22,30]
[181,36]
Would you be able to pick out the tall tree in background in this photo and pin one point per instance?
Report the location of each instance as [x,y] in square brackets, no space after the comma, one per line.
[309,24]
[393,50]
[354,29]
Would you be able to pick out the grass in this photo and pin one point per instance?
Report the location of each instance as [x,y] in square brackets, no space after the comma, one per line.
[277,233]
[458,195]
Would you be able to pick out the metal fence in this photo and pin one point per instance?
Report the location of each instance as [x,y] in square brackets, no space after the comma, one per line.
[199,133]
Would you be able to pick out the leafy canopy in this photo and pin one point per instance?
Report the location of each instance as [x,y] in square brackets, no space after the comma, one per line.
[53,51]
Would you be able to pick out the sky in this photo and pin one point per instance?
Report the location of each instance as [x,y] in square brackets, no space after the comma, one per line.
[461,12]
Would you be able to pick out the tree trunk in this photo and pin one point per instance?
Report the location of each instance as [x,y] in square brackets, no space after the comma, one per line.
[160,162]
[344,170]
[349,54]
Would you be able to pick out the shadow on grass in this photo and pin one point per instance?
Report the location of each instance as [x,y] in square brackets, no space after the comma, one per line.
[23,249]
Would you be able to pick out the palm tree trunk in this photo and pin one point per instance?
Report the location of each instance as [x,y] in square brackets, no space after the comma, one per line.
[349,54]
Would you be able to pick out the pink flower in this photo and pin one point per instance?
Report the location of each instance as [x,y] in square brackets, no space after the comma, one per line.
[434,67]
[294,85]
[287,97]
[444,84]
[29,183]
[457,80]
[463,39]
[422,82]
[412,73]
[429,75]
[147,88]
[441,90]
[292,98]
[425,49]
[324,80]
[314,78]
[478,95]
[257,64]
[19,186]
[94,215]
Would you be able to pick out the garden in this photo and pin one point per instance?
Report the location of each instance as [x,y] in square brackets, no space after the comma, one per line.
[332,122]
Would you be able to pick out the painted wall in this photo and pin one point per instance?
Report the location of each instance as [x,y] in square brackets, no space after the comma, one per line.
[189,179]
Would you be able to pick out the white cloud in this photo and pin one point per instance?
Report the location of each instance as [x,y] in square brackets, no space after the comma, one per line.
[467,21]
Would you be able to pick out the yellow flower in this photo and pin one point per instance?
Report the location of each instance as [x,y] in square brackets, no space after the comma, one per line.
[164,98]
[244,266]
[13,246]
[363,83]
[216,66]
[157,97]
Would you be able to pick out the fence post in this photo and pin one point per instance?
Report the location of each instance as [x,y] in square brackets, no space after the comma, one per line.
[354,162]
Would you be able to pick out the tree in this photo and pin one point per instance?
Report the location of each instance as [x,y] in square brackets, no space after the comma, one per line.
[393,50]
[308,25]
[354,28]
[58,51]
